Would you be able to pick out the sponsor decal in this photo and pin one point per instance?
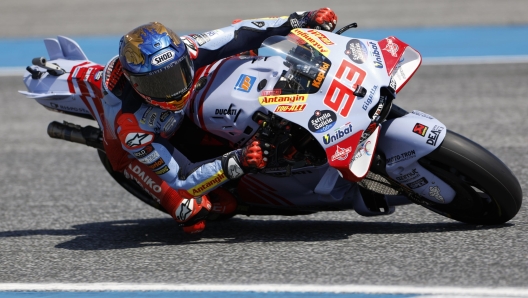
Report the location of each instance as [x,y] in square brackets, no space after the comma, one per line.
[434,191]
[145,115]
[69,109]
[321,37]
[191,47]
[157,163]
[144,152]
[149,158]
[98,75]
[378,63]
[145,179]
[245,83]
[271,92]
[162,171]
[135,139]
[234,168]
[278,99]
[338,134]
[420,129]
[356,51]
[340,97]
[258,24]
[432,137]
[366,150]
[422,114]
[370,98]
[162,58]
[401,157]
[341,153]
[321,75]
[185,210]
[311,41]
[413,174]
[164,116]
[208,184]
[393,84]
[152,119]
[322,121]
[290,108]
[418,183]
[391,47]
[203,38]
[170,126]
[226,111]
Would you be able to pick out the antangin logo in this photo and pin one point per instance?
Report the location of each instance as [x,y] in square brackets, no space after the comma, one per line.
[270,100]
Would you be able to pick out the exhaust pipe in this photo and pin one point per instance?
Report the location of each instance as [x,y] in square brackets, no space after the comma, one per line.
[88,135]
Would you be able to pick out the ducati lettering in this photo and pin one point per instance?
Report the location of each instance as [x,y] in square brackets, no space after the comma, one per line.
[418,183]
[420,129]
[356,51]
[370,98]
[226,111]
[401,157]
[162,58]
[245,83]
[432,137]
[338,134]
[322,121]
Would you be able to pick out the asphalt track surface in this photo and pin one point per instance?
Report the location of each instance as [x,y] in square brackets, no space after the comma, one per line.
[64,220]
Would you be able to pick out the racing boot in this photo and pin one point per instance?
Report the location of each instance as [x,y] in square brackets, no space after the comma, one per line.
[224,204]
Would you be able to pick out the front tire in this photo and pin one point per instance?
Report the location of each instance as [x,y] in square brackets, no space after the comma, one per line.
[487,192]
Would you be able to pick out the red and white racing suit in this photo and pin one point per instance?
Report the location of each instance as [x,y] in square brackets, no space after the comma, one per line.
[136,134]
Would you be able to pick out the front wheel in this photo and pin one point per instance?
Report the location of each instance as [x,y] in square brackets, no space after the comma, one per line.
[487,192]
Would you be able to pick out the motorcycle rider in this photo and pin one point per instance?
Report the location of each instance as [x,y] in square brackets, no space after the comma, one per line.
[147,87]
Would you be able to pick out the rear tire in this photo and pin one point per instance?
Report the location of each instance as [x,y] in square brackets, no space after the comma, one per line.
[487,192]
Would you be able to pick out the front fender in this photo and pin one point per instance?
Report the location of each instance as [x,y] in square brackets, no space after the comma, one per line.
[404,141]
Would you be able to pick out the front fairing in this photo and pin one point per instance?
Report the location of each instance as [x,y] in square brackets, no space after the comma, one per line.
[317,91]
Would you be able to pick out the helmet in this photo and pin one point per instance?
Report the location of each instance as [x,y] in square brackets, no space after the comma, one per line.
[158,65]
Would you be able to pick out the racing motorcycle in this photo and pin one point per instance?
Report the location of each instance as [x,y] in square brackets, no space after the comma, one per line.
[324,102]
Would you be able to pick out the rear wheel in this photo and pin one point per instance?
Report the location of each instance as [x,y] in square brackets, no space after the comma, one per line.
[487,192]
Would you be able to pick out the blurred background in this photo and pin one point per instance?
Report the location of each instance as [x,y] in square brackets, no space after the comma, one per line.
[437,28]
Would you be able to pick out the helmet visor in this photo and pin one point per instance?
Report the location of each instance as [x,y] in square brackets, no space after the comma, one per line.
[167,84]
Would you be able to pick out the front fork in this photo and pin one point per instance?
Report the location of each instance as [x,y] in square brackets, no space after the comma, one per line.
[404,139]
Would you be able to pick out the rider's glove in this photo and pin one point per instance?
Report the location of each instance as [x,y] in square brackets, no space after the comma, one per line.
[321,19]
[191,214]
[252,157]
